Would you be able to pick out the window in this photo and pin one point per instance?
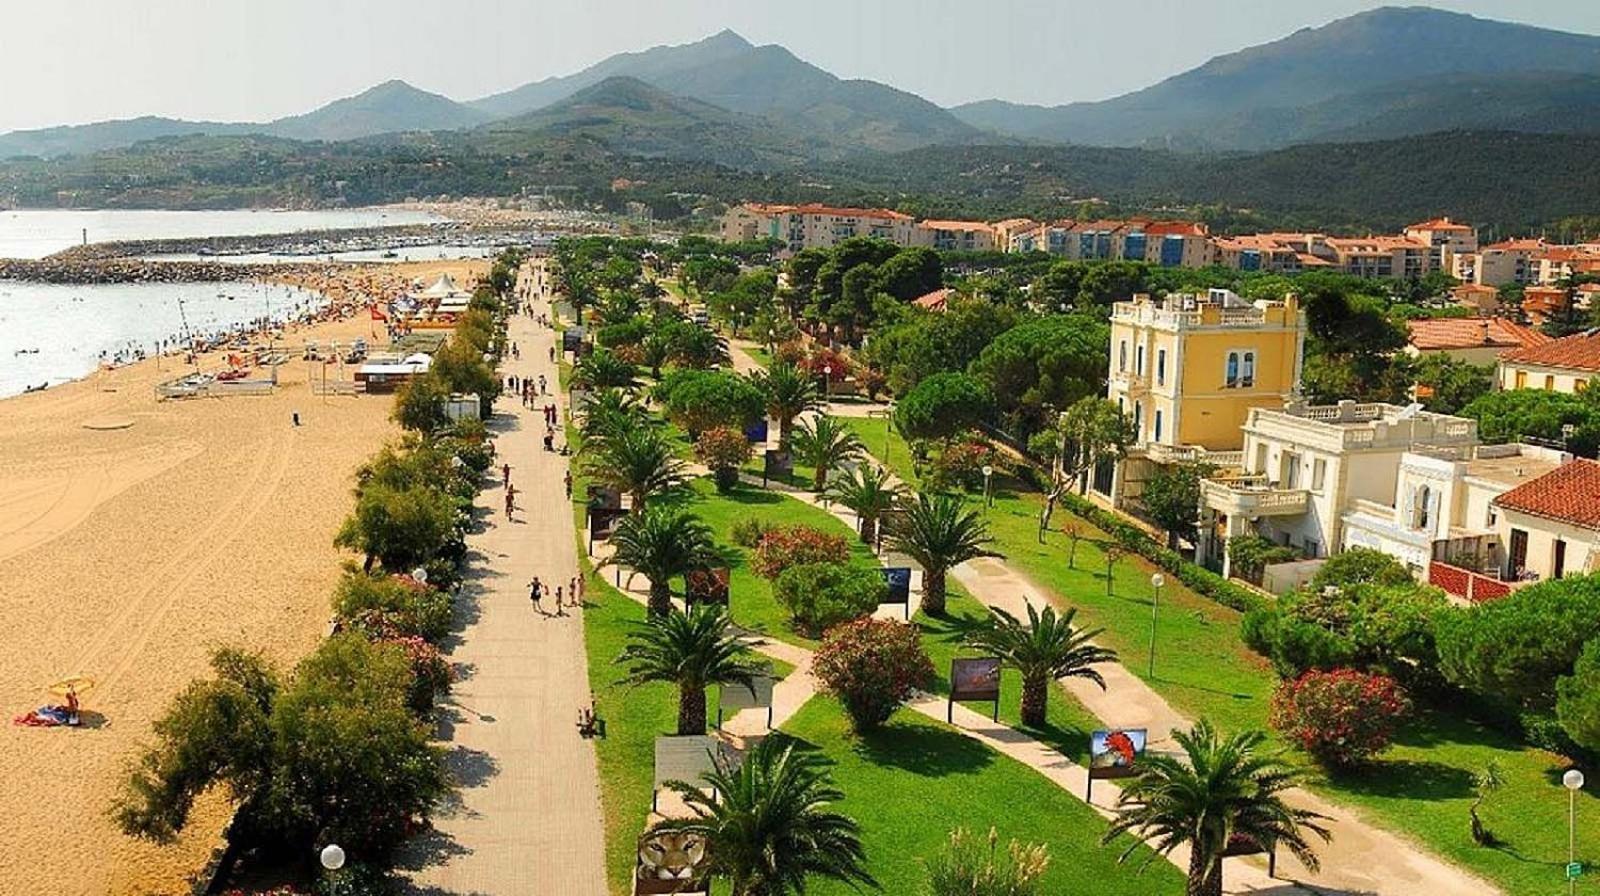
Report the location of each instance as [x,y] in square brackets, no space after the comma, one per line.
[1138,420]
[1232,379]
[1522,379]
[1138,360]
[1319,473]
[1421,510]
[1290,470]
[1579,385]
[1157,436]
[1122,355]
[1249,378]
[1549,382]
[1161,367]
[1312,547]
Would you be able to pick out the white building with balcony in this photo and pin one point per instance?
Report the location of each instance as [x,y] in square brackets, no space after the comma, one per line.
[1305,468]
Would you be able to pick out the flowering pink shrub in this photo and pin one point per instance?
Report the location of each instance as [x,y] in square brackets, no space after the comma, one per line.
[960,464]
[872,666]
[431,673]
[1342,717]
[792,545]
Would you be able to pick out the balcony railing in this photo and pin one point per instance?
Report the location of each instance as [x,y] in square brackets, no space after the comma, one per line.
[1251,496]
[1135,384]
[1194,454]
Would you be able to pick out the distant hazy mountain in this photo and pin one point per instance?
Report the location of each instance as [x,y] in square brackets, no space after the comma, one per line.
[727,71]
[86,138]
[629,117]
[1387,72]
[393,106]
[390,107]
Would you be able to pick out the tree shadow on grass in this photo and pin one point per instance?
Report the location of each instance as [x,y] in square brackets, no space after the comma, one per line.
[1407,779]
[923,750]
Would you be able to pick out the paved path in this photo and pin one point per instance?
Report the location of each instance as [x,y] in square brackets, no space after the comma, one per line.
[529,819]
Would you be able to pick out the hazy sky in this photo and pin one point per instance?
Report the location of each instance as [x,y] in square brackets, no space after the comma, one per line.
[70,61]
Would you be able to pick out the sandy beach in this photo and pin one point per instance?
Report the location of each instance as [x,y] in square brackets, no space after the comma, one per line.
[136,536]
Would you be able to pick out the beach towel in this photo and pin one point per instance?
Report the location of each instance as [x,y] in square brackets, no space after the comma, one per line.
[44,717]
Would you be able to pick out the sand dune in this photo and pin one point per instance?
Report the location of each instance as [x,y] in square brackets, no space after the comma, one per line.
[128,554]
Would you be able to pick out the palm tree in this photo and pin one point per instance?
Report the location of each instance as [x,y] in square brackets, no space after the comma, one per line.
[663,542]
[692,650]
[825,442]
[1047,647]
[938,532]
[769,828]
[603,368]
[610,413]
[789,392]
[868,493]
[1224,791]
[639,463]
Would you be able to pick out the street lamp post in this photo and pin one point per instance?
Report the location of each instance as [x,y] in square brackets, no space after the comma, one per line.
[1156,581]
[332,857]
[1573,781]
[827,382]
[988,494]
[888,427]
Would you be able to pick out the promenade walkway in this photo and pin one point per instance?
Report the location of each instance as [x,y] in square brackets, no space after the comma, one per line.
[528,820]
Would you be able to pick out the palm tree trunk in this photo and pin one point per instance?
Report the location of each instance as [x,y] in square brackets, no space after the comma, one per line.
[660,598]
[869,529]
[819,480]
[785,426]
[1205,875]
[933,592]
[1035,694]
[691,710]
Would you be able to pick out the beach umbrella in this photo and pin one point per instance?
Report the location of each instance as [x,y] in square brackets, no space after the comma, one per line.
[79,683]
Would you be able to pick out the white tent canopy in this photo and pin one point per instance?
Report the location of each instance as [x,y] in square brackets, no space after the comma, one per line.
[444,286]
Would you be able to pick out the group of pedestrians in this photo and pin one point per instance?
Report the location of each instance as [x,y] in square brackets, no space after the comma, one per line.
[529,389]
[572,596]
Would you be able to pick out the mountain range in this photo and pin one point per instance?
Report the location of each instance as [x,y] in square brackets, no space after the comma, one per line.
[1382,74]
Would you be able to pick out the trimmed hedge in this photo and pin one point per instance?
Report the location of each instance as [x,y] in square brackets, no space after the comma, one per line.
[1203,581]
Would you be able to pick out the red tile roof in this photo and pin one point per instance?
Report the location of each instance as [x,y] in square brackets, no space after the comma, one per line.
[1569,494]
[1522,245]
[1580,351]
[1439,224]
[1443,333]
[934,301]
[979,226]
[1176,228]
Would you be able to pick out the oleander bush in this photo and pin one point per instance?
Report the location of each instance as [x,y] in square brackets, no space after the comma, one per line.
[787,546]
[1341,717]
[872,666]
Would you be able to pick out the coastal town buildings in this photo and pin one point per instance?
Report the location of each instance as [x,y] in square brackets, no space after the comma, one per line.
[1557,365]
[1550,525]
[1188,370]
[1305,467]
[1475,340]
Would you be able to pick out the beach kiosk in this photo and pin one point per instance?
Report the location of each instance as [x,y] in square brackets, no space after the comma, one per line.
[386,376]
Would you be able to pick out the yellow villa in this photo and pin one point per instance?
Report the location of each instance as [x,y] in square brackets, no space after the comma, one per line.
[1187,369]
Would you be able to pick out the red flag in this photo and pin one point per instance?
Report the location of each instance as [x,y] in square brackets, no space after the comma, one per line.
[376,314]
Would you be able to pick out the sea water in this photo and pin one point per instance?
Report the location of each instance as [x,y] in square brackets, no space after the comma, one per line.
[35,233]
[51,334]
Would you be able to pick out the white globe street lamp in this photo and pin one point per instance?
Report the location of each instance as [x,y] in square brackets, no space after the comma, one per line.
[1156,581]
[332,857]
[988,495]
[1573,781]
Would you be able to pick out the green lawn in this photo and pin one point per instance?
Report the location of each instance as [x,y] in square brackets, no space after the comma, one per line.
[914,780]
[1421,787]
[753,604]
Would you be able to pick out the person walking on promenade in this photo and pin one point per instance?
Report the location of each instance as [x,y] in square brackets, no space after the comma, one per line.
[543,388]
[511,500]
[505,473]
[572,590]
[567,480]
[552,354]
[560,603]
[535,593]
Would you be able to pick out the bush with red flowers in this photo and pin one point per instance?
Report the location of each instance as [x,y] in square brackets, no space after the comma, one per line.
[724,449]
[792,545]
[872,666]
[822,358]
[1342,717]
[960,465]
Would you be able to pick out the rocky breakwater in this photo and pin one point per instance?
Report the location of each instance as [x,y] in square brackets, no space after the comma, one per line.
[64,268]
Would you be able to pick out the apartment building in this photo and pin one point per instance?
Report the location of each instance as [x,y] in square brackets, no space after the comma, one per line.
[956,236]
[1395,257]
[1277,253]
[1305,467]
[1445,238]
[1012,234]
[1188,369]
[1558,365]
[815,226]
[1509,262]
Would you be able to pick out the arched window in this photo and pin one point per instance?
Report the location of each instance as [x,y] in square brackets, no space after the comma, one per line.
[1420,512]
[1122,355]
[1233,370]
[1249,378]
